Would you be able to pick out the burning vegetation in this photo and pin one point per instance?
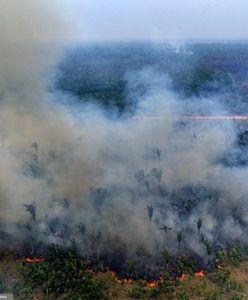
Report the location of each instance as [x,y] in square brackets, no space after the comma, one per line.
[172,232]
[85,191]
[34,259]
[143,198]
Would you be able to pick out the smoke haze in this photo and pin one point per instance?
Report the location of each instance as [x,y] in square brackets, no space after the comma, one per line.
[92,177]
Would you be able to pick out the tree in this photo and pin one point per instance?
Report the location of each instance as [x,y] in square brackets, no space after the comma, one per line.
[208,247]
[31,208]
[139,176]
[81,228]
[199,225]
[165,229]
[179,239]
[130,269]
[35,147]
[156,174]
[166,257]
[150,213]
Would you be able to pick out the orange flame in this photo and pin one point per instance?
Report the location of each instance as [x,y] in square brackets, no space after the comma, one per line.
[155,283]
[182,277]
[152,284]
[118,280]
[34,260]
[128,280]
[199,274]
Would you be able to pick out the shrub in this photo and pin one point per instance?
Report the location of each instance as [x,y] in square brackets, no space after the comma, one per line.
[235,255]
[220,276]
[235,285]
[182,296]
[137,292]
[130,269]
[236,297]
[213,295]
[66,274]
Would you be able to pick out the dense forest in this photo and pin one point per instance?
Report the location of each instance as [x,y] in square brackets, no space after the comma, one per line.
[97,72]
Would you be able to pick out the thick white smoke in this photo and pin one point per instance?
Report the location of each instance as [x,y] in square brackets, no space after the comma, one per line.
[85,171]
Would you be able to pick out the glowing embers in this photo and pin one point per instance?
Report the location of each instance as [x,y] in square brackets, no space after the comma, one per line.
[155,283]
[118,280]
[34,259]
[199,274]
[182,277]
[130,281]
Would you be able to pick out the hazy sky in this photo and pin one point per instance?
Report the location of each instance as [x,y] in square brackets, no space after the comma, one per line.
[163,19]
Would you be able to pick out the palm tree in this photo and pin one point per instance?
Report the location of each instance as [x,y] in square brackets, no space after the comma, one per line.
[31,208]
[199,225]
[208,247]
[98,240]
[165,229]
[156,174]
[35,147]
[81,228]
[150,213]
[166,257]
[139,176]
[179,239]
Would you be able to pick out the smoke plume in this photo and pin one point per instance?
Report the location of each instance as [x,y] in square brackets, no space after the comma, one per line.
[108,183]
